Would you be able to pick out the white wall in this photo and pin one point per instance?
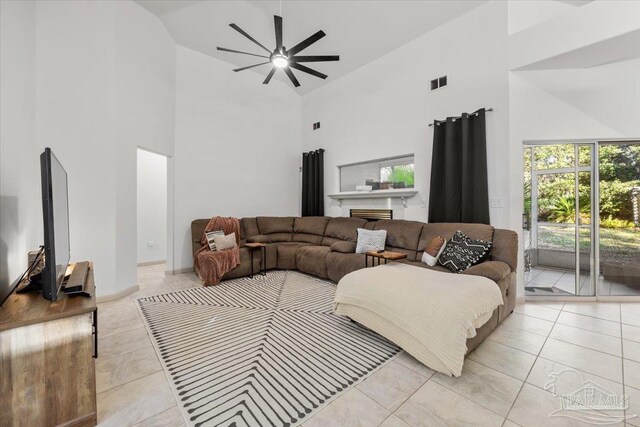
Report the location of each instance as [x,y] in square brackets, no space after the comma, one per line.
[20,211]
[237,147]
[152,207]
[145,87]
[93,81]
[382,109]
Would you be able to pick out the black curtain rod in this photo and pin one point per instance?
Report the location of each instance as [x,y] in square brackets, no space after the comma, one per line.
[455,118]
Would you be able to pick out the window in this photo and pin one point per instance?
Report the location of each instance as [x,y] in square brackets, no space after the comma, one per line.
[382,174]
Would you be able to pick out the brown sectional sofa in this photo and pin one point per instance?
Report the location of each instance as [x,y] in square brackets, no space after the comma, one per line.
[325,246]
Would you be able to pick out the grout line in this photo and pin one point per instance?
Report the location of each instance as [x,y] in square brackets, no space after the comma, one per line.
[530,369]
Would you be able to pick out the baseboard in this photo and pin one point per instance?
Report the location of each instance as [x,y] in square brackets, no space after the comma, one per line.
[144,264]
[179,271]
[117,295]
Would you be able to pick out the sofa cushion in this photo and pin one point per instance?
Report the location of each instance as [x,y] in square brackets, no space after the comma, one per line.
[279,237]
[275,224]
[250,226]
[260,238]
[494,270]
[287,254]
[339,264]
[312,260]
[344,247]
[400,233]
[307,238]
[342,228]
[446,230]
[505,247]
[310,225]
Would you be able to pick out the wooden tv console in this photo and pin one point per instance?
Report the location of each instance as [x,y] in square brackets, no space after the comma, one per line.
[47,359]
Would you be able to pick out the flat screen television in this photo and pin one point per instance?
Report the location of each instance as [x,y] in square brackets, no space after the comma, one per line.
[55,211]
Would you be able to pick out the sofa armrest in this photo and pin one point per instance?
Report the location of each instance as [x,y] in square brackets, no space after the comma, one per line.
[494,270]
[260,238]
[344,247]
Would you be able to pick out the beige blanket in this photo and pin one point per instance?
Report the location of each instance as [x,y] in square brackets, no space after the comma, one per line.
[428,313]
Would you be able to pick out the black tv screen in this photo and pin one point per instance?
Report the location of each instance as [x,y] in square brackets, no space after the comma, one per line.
[55,210]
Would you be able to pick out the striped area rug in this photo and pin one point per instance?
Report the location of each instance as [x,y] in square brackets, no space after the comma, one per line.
[266,351]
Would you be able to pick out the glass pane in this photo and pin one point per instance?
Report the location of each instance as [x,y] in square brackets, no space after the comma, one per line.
[619,222]
[584,155]
[554,156]
[383,174]
[553,261]
[556,198]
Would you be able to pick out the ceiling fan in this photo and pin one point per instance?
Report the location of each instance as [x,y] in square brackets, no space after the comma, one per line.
[284,58]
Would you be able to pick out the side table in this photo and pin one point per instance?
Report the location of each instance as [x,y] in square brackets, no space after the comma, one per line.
[385,255]
[263,259]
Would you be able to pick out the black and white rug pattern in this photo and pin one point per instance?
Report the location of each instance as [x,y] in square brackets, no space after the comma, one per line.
[266,351]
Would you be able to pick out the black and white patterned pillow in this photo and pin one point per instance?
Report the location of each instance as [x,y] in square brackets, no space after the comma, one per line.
[210,241]
[461,252]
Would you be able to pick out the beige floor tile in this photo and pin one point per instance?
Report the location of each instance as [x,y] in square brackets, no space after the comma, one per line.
[169,418]
[562,379]
[410,362]
[434,404]
[394,421]
[353,408]
[632,373]
[631,333]
[123,342]
[117,322]
[601,310]
[631,350]
[537,310]
[518,338]
[595,362]
[589,323]
[584,338]
[630,318]
[391,385]
[488,387]
[529,324]
[504,359]
[135,401]
[508,423]
[533,407]
[117,370]
[633,307]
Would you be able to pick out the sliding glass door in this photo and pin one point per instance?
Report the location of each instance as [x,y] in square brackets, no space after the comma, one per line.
[619,193]
[559,254]
[581,219]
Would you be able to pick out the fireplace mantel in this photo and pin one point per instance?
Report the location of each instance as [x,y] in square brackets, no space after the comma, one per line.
[399,193]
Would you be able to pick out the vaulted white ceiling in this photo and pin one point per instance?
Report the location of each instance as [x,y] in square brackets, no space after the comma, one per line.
[358,31]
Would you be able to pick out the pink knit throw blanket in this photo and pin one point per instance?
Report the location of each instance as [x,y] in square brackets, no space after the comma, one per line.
[210,265]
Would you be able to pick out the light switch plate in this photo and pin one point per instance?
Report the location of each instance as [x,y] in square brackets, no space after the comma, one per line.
[497,202]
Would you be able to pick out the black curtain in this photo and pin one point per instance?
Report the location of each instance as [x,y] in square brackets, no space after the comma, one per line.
[459,189]
[313,183]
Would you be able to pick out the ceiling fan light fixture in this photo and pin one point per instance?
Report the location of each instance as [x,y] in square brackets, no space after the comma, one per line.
[279,61]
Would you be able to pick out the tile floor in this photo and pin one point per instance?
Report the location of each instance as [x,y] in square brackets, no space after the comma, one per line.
[505,380]
[565,280]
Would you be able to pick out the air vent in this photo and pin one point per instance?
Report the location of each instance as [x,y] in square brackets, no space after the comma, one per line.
[438,83]
[316,125]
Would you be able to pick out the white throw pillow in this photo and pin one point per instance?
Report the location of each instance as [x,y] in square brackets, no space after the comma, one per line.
[370,240]
[432,260]
[212,244]
[225,242]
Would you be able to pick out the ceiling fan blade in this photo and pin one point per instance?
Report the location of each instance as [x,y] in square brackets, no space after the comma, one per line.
[293,79]
[268,79]
[306,42]
[307,70]
[319,58]
[224,49]
[250,66]
[277,21]
[241,31]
